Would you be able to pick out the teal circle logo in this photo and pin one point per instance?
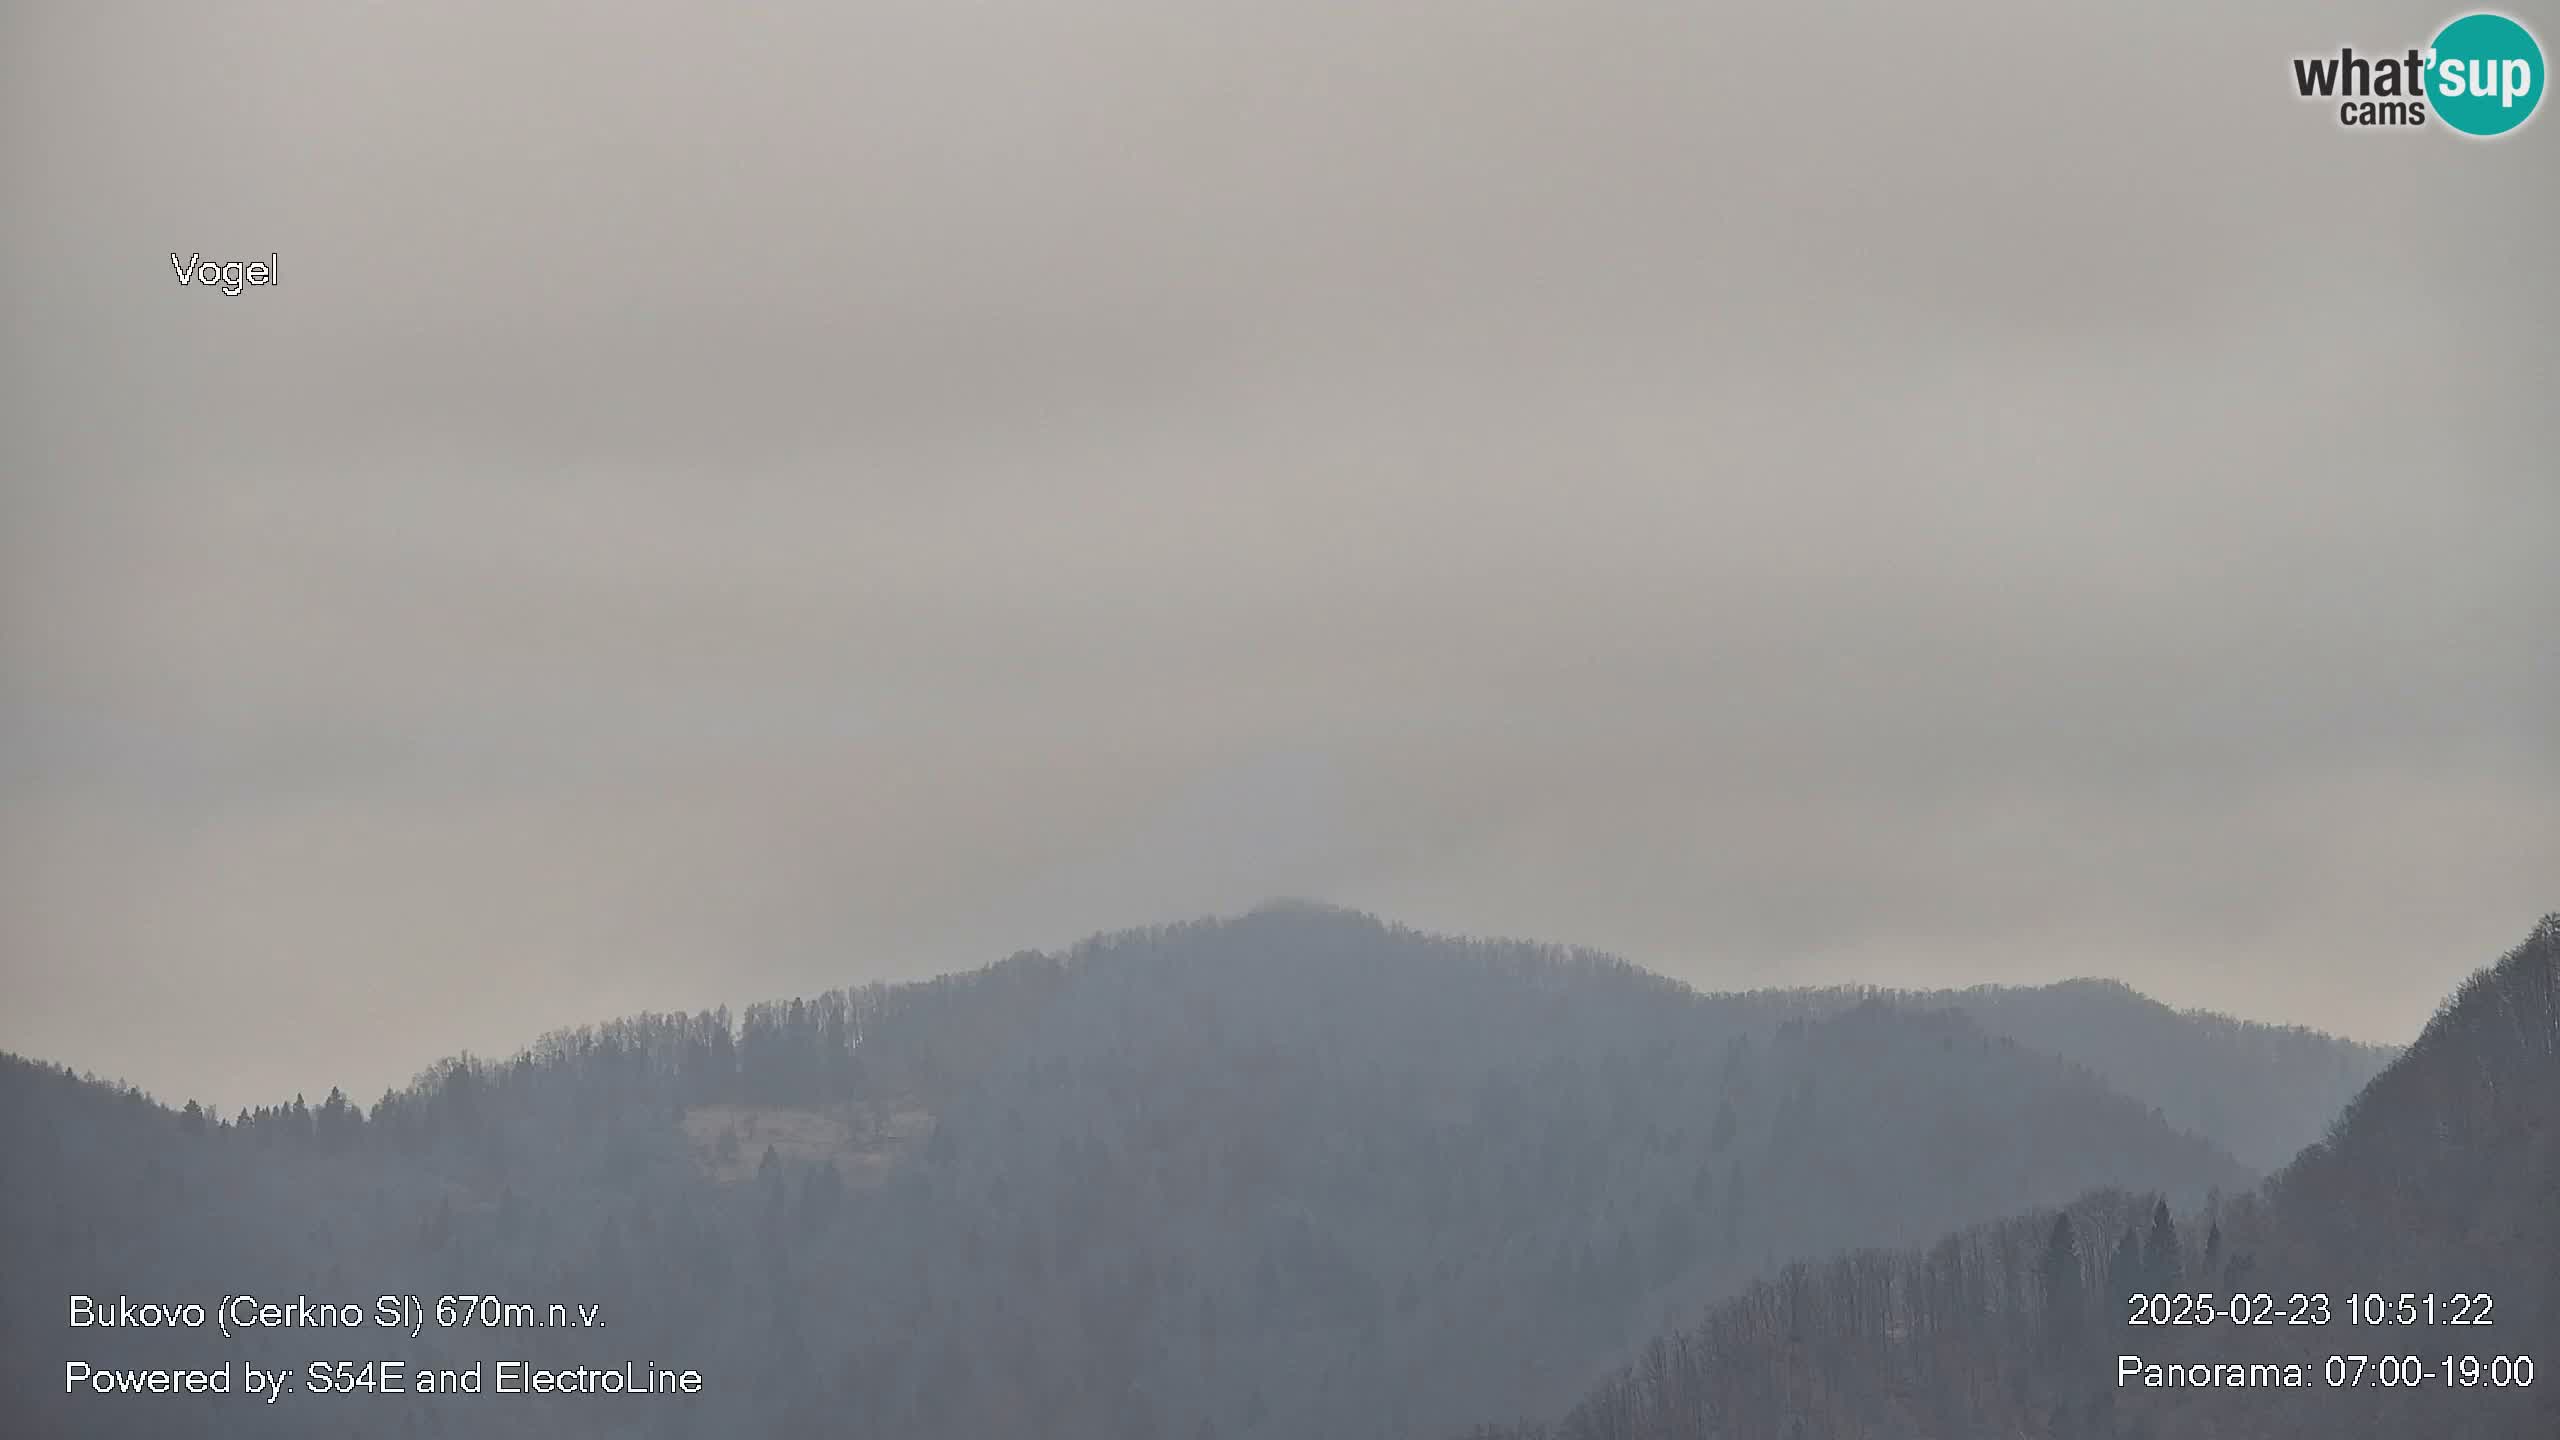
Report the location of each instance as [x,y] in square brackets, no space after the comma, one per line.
[2484,74]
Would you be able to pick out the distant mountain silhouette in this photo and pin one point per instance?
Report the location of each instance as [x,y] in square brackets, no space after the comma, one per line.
[2425,1231]
[2261,1091]
[1294,1173]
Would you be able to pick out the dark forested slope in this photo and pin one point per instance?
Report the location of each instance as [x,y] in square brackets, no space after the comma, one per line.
[2439,1186]
[1294,1173]
[2261,1091]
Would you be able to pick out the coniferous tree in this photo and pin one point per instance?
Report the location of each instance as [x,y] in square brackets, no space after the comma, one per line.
[2161,1265]
[2064,1300]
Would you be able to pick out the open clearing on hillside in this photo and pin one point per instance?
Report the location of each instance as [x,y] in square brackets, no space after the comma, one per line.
[865,1141]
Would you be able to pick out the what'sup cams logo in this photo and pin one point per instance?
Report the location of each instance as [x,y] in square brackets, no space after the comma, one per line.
[2482,75]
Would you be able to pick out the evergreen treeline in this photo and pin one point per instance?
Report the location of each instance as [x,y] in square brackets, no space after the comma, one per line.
[2442,1179]
[1289,1174]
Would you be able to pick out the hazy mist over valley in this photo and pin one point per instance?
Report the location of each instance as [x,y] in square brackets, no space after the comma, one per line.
[1298,1172]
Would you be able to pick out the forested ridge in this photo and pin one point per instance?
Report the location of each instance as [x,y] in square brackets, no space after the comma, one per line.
[1297,1172]
[2441,1179]
[2262,1091]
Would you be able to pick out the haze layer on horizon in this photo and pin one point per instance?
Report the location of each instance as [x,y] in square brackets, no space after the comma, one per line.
[721,504]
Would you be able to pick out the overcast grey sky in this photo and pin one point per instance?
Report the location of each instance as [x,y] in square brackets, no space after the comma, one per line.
[730,501]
